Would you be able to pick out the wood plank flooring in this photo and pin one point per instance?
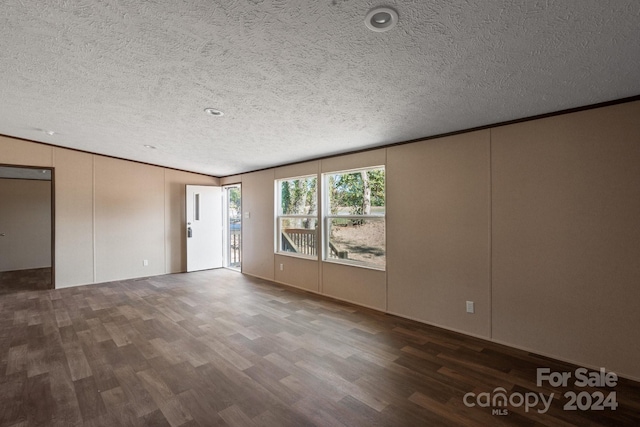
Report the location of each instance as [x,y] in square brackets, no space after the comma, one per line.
[219,348]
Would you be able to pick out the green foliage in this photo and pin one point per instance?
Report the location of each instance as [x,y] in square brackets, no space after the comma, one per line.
[234,198]
[235,204]
[285,197]
[312,196]
[376,181]
[348,191]
[298,196]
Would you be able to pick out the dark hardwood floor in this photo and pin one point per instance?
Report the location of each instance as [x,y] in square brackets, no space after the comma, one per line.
[219,348]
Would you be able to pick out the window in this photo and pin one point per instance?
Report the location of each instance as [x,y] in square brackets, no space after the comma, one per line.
[297,219]
[355,217]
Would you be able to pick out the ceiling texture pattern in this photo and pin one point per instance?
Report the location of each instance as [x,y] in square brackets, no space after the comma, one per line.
[298,79]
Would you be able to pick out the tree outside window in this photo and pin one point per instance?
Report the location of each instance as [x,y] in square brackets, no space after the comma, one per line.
[355,217]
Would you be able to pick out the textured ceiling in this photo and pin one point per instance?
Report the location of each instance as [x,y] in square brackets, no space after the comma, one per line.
[298,79]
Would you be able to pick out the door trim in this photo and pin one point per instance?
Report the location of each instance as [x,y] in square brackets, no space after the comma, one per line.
[53,213]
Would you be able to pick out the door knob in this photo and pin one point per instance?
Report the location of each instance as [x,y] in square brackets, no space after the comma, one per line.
[2,234]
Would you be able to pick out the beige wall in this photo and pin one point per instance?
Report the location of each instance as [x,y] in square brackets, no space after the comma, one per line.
[18,152]
[74,218]
[129,219]
[363,286]
[298,272]
[110,214]
[438,198]
[566,236]
[234,179]
[257,224]
[25,219]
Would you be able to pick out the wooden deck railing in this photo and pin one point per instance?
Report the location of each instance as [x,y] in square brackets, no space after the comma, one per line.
[234,248]
[300,240]
[304,241]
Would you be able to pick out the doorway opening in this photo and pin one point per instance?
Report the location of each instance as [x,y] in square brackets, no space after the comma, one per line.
[26,228]
[232,236]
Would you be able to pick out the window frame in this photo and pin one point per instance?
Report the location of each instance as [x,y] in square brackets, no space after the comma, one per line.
[327,218]
[280,216]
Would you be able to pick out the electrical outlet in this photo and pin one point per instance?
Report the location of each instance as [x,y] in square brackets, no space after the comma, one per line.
[470,307]
[281,267]
[145,262]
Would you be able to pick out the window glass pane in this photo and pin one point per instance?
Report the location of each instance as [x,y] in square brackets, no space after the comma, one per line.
[359,240]
[299,235]
[357,193]
[298,196]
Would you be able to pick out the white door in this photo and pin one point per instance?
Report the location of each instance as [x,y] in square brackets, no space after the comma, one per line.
[204,227]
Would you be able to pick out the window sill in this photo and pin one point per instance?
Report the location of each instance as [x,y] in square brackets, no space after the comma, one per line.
[355,264]
[295,255]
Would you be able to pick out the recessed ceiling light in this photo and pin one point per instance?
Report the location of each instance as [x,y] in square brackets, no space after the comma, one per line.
[151,147]
[213,112]
[380,19]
